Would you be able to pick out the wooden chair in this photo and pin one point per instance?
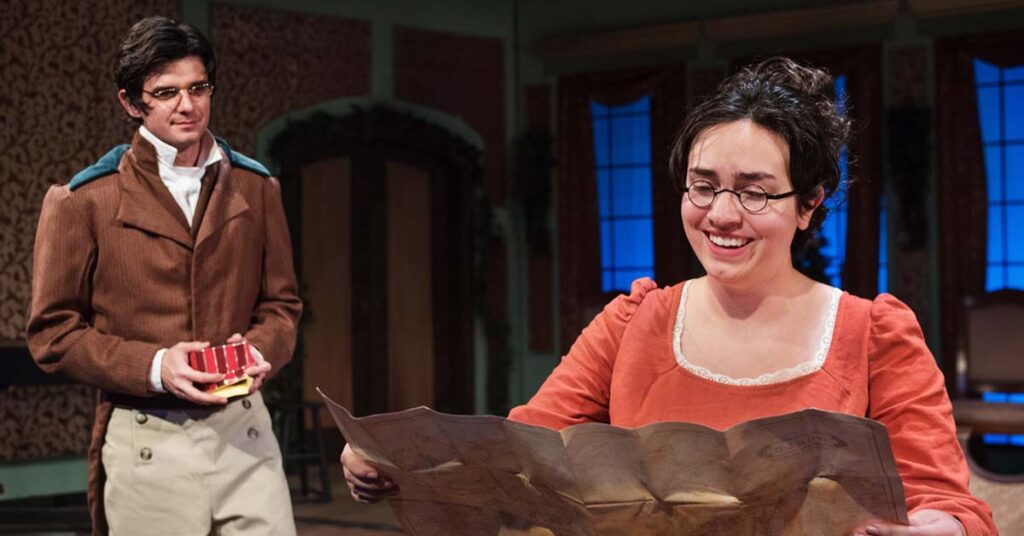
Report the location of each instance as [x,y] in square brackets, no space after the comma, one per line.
[990,358]
[990,353]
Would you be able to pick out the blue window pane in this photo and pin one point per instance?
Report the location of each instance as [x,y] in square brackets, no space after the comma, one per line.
[1013,74]
[834,275]
[988,112]
[994,172]
[631,140]
[1015,277]
[883,249]
[985,72]
[622,280]
[1014,225]
[604,193]
[601,147]
[995,234]
[607,252]
[1014,184]
[996,397]
[597,109]
[623,154]
[625,278]
[840,85]
[633,245]
[995,277]
[834,234]
[641,105]
[1013,101]
[632,191]
[844,164]
[995,439]
[1016,440]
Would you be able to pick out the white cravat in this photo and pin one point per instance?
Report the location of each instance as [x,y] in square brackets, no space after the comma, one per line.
[184,183]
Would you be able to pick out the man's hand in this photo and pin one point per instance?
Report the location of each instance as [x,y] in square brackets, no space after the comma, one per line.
[922,523]
[257,372]
[179,378]
[364,482]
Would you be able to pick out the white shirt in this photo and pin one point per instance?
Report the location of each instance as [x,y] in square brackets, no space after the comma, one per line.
[184,183]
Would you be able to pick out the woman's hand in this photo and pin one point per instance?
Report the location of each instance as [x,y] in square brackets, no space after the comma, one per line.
[922,523]
[364,482]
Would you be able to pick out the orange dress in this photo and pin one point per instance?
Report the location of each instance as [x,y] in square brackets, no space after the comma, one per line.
[625,369]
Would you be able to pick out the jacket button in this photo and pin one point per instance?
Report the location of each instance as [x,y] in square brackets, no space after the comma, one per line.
[141,418]
[146,454]
[253,433]
[246,403]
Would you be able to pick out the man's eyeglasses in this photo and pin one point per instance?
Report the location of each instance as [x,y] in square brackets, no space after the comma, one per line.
[196,91]
[753,198]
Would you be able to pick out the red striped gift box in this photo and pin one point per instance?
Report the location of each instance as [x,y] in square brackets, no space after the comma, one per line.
[229,360]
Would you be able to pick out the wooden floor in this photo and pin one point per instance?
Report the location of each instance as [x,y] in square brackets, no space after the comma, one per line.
[340,517]
[343,516]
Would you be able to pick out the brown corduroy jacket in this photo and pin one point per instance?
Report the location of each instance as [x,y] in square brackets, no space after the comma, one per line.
[118,274]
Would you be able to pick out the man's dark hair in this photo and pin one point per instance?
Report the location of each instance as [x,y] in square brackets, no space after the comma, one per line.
[150,44]
[794,101]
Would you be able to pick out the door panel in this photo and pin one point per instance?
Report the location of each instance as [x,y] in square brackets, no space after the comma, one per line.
[410,305]
[326,234]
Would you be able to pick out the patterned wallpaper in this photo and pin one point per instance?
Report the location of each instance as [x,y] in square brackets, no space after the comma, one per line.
[472,87]
[58,113]
[45,421]
[267,68]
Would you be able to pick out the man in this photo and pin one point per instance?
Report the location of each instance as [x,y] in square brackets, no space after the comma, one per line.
[163,247]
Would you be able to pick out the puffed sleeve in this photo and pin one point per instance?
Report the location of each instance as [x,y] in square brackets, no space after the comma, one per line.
[275,319]
[59,334]
[577,391]
[908,395]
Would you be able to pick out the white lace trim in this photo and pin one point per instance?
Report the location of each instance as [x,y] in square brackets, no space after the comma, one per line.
[778,376]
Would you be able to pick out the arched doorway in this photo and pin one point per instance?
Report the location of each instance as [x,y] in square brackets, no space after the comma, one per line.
[383,214]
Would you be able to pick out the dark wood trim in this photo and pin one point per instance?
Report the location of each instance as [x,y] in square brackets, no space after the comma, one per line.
[982,417]
[681,35]
[369,264]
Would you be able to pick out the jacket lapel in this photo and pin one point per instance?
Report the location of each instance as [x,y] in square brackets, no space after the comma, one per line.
[146,203]
[225,204]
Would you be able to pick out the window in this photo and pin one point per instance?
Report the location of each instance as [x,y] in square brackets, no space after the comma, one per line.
[1001,110]
[1015,440]
[833,230]
[622,149]
[883,251]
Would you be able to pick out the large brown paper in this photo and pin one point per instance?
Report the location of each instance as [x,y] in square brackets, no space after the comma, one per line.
[806,473]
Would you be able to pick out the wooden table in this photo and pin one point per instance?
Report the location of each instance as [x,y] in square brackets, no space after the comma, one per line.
[987,417]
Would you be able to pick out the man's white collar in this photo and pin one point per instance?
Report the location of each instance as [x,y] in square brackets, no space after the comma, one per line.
[166,153]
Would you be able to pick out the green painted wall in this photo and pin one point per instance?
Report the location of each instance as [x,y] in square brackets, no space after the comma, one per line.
[44,477]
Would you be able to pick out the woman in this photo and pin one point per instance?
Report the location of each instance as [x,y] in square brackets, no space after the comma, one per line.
[755,337]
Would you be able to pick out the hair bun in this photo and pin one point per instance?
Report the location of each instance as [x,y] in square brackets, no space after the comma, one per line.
[786,72]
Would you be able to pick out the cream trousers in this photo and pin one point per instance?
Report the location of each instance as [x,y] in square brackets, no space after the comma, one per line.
[195,472]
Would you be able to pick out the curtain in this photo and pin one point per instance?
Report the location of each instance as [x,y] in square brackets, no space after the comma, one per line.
[579,258]
[962,192]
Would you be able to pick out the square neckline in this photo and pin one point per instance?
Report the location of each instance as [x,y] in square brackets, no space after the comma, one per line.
[778,377]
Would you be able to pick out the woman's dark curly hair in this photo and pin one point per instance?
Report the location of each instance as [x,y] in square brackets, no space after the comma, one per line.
[149,46]
[794,101]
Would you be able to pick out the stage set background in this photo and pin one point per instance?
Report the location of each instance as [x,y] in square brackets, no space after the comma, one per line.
[448,143]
